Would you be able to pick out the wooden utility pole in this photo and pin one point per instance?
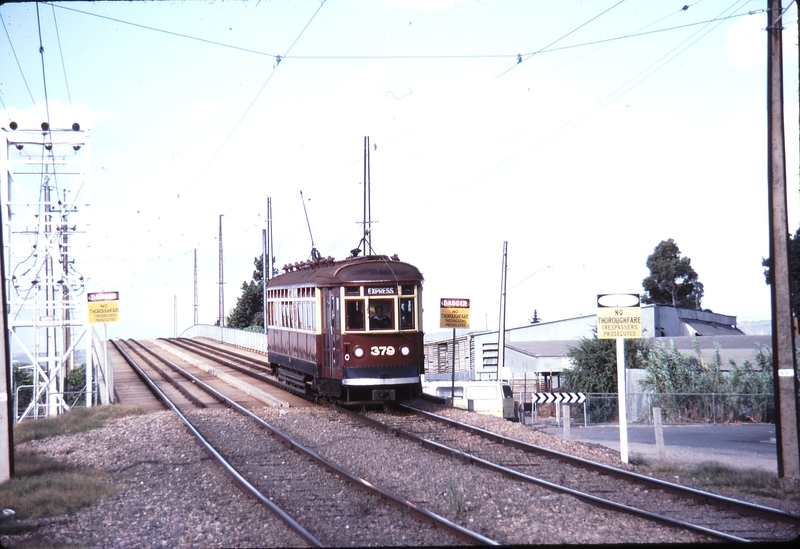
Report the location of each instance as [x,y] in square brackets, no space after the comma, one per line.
[783,348]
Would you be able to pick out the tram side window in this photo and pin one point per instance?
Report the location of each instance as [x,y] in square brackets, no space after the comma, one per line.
[406,314]
[380,317]
[355,314]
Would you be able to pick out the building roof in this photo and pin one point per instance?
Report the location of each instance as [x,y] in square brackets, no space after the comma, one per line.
[706,328]
[543,349]
[731,347]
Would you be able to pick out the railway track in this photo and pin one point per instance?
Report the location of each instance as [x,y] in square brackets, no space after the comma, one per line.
[292,480]
[405,470]
[707,514]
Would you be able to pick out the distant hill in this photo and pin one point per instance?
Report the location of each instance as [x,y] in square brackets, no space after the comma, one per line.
[756,327]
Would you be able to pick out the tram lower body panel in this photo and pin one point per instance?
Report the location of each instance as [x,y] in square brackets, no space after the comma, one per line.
[359,369]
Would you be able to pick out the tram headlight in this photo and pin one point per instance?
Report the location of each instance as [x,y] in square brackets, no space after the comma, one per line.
[358,351]
[404,350]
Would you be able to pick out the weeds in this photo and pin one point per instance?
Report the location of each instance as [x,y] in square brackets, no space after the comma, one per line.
[749,481]
[76,420]
[44,487]
[363,504]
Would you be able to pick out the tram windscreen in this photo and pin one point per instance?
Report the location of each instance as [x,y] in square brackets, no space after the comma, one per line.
[380,317]
[355,314]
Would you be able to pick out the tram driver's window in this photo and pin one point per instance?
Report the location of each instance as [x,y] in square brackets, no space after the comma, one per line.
[355,314]
[406,314]
[380,314]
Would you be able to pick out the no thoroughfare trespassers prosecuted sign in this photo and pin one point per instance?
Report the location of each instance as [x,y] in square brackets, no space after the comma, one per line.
[453,313]
[103,307]
[618,315]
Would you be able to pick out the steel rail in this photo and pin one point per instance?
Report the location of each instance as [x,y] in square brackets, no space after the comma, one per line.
[220,356]
[594,500]
[699,495]
[233,354]
[456,529]
[238,478]
[186,375]
[171,380]
[266,378]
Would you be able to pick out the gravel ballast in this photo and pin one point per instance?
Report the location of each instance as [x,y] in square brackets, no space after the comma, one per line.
[173,495]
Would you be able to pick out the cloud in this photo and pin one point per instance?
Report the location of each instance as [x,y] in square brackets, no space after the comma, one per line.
[747,42]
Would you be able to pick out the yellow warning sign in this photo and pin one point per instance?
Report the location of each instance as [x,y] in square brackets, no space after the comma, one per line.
[453,313]
[103,307]
[615,320]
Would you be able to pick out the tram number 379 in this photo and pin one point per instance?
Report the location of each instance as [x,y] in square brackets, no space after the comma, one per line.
[381,350]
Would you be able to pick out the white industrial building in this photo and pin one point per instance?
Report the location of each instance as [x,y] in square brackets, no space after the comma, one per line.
[535,355]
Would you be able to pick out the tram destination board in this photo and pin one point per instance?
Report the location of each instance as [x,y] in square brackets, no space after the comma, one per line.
[103,307]
[453,313]
[619,315]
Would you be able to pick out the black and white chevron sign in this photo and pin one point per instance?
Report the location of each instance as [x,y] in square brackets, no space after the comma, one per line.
[564,398]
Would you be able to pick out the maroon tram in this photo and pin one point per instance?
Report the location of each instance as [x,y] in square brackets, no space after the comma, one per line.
[350,330]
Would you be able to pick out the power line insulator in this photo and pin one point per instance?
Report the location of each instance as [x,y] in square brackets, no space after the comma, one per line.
[75,126]
[13,125]
[45,126]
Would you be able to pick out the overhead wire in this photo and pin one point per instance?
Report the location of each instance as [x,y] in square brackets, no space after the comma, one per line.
[523,59]
[179,35]
[501,166]
[63,66]
[21,72]
[546,49]
[47,177]
[44,75]
[607,100]
[253,102]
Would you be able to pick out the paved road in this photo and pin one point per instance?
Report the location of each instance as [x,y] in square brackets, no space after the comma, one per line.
[741,446]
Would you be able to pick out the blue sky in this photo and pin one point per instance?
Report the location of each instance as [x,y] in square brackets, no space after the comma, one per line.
[583,157]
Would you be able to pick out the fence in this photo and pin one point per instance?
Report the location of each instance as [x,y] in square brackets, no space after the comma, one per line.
[245,339]
[600,408]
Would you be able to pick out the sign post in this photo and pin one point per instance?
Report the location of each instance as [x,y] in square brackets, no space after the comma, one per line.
[453,313]
[103,308]
[618,317]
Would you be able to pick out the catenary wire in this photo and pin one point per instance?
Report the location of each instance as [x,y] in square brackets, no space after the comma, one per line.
[253,102]
[44,76]
[21,72]
[607,100]
[63,67]
[179,35]
[405,57]
[523,59]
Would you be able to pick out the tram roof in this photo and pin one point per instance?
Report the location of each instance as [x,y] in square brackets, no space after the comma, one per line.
[353,270]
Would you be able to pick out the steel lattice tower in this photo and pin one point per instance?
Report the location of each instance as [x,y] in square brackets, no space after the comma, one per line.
[45,178]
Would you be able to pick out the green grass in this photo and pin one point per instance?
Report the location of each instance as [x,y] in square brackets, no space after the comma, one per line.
[709,474]
[44,487]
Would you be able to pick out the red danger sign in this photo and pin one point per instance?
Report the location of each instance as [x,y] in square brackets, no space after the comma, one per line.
[102,296]
[450,303]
